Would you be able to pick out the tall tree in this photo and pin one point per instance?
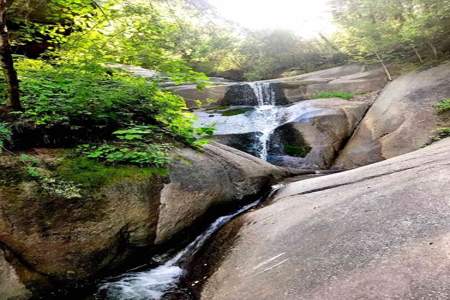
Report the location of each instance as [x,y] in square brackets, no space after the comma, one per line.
[7,62]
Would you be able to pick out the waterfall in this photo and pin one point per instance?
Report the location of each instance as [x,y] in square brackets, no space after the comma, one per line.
[264,92]
[266,111]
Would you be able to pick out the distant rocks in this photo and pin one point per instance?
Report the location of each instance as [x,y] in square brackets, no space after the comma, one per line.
[350,78]
[402,119]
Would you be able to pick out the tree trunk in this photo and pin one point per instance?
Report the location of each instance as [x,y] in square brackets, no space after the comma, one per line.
[433,48]
[385,68]
[7,62]
[418,55]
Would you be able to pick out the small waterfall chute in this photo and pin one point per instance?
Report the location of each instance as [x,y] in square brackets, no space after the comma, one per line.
[266,110]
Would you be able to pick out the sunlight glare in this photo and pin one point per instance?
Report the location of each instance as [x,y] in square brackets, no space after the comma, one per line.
[307,18]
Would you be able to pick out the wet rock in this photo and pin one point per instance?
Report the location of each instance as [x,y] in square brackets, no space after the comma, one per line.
[241,94]
[314,137]
[247,142]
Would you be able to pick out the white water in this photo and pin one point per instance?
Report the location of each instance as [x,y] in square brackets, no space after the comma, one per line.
[266,110]
[153,284]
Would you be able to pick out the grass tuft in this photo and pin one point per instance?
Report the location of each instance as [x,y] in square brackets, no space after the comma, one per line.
[334,94]
[443,106]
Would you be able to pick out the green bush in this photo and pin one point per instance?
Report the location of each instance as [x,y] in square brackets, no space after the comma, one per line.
[444,132]
[96,97]
[93,97]
[138,145]
[5,135]
[336,94]
[443,106]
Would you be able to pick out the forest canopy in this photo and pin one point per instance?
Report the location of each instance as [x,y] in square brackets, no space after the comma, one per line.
[62,51]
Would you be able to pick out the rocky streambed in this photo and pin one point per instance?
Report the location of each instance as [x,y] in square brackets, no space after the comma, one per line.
[318,237]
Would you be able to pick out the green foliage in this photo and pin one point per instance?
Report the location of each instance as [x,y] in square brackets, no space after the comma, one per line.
[97,97]
[443,106]
[333,94]
[138,145]
[49,23]
[133,33]
[90,174]
[444,132]
[392,31]
[263,54]
[5,135]
[48,184]
[31,166]
[67,94]
[236,111]
[297,151]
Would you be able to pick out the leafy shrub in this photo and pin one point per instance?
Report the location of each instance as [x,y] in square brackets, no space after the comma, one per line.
[91,96]
[443,106]
[444,133]
[138,145]
[47,183]
[336,94]
[5,135]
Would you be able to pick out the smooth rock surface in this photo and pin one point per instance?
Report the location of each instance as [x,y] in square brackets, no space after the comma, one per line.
[402,120]
[200,180]
[377,232]
[324,131]
[353,78]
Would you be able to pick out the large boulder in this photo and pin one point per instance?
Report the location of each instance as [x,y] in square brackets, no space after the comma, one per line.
[247,142]
[354,79]
[78,220]
[377,232]
[314,137]
[403,118]
[195,98]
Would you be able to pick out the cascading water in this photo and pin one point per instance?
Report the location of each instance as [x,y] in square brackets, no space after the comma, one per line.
[155,283]
[267,112]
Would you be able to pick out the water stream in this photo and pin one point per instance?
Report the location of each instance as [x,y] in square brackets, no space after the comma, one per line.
[266,112]
[153,284]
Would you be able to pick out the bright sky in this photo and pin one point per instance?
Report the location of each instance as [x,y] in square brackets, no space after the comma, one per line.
[307,18]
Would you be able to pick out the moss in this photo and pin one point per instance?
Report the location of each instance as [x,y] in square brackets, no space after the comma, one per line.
[216,108]
[443,106]
[236,111]
[297,151]
[92,175]
[333,94]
